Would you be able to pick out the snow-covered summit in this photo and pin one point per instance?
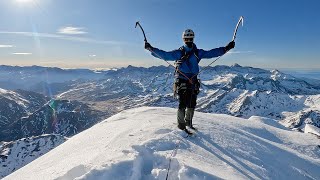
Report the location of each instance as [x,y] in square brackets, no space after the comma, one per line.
[141,143]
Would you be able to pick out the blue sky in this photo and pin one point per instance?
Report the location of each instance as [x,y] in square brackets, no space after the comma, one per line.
[101,34]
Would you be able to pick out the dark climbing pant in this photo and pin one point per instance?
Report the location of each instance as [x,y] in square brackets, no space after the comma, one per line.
[187,102]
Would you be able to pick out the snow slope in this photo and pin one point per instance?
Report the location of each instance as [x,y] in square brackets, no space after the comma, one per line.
[138,144]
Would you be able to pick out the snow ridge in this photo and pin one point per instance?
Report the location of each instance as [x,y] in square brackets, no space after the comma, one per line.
[138,143]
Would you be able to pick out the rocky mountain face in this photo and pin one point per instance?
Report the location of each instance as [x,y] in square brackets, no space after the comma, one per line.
[18,103]
[25,114]
[63,117]
[16,154]
[67,118]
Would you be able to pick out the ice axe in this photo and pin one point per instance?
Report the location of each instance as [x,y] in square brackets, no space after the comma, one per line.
[236,29]
[145,40]
[233,38]
[137,23]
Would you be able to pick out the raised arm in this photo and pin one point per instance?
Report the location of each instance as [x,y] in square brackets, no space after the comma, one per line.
[161,54]
[203,54]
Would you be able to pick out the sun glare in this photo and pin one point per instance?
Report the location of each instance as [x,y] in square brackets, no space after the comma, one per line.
[24,1]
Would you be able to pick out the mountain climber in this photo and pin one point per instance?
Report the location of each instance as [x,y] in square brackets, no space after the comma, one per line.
[187,84]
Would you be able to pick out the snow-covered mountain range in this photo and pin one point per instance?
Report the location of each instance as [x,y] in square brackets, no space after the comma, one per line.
[16,77]
[144,143]
[66,102]
[235,90]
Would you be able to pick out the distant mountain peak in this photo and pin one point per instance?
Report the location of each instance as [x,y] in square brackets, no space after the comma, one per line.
[236,65]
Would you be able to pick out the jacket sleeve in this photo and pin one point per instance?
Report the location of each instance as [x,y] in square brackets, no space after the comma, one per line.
[203,54]
[168,56]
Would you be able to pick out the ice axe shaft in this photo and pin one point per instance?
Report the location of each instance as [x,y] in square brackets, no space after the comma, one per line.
[236,29]
[137,23]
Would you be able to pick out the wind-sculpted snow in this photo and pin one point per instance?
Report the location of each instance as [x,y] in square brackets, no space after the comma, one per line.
[139,143]
[16,154]
[312,130]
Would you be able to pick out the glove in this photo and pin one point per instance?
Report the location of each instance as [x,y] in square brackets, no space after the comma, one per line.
[231,45]
[148,46]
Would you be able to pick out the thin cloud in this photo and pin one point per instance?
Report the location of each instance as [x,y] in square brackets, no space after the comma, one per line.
[240,52]
[6,46]
[72,30]
[63,37]
[22,53]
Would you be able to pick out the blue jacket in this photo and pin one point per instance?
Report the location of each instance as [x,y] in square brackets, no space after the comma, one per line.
[189,67]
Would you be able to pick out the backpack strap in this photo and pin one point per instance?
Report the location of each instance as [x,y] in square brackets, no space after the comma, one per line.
[196,54]
[185,55]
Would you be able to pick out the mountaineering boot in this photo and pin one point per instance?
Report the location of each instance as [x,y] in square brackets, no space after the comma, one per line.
[182,126]
[188,132]
[189,116]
